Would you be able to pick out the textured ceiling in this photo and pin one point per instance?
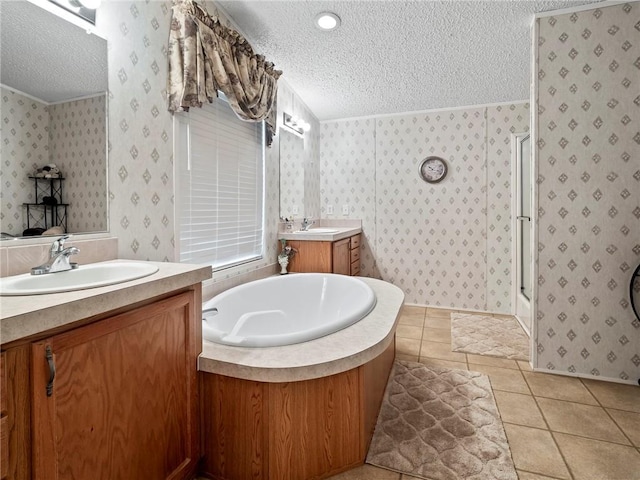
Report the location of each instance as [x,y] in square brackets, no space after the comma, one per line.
[396,56]
[47,57]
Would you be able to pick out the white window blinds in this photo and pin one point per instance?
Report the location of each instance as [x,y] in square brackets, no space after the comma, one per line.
[220,186]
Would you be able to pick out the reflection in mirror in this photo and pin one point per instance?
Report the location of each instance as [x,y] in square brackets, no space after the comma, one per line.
[291,174]
[54,124]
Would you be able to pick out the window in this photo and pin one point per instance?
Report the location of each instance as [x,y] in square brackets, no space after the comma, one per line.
[219,186]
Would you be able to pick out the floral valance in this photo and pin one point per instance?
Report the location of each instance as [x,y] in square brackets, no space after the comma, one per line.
[206,56]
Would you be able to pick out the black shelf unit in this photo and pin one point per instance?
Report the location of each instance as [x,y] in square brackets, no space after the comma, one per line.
[41,215]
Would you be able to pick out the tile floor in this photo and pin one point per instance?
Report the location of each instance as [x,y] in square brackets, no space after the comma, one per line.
[557,427]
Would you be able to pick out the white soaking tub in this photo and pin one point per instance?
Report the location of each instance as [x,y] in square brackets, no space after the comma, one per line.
[286,310]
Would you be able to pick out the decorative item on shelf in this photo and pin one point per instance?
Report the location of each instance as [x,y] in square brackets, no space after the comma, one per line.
[48,171]
[285,255]
[433,169]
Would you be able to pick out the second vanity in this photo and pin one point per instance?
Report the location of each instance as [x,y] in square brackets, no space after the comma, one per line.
[328,249]
[103,380]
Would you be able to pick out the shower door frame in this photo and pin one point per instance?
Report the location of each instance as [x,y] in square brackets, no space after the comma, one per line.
[522,306]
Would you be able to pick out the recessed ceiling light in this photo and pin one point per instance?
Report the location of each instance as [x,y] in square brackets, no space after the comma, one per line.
[327,21]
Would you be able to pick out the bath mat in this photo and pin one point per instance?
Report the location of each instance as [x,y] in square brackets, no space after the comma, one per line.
[484,335]
[440,424]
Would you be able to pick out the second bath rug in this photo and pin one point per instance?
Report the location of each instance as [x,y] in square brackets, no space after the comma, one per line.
[486,335]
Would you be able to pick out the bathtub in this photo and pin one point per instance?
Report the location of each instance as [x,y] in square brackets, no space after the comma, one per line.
[286,310]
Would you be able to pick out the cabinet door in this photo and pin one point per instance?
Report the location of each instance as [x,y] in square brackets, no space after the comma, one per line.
[342,257]
[123,401]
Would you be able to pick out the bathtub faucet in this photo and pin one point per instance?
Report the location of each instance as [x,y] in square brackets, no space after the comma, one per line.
[306,224]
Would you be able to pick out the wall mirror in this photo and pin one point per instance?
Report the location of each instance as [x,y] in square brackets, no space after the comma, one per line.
[292,161]
[53,99]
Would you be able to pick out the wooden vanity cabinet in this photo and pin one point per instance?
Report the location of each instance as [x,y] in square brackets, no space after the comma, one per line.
[123,402]
[341,256]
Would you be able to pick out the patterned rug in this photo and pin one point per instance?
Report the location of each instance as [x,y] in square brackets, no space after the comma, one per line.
[440,424]
[483,335]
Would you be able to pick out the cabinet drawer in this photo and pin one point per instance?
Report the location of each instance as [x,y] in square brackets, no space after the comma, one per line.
[355,241]
[355,268]
[355,255]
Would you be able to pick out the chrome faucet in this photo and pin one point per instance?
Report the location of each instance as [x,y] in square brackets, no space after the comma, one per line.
[306,224]
[58,258]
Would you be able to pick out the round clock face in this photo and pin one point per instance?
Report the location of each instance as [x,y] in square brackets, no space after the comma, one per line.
[433,169]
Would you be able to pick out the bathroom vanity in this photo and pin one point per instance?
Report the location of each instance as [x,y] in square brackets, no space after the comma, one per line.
[335,252]
[103,383]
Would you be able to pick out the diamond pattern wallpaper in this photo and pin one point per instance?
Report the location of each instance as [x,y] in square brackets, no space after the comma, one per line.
[25,147]
[140,133]
[71,135]
[431,240]
[77,144]
[588,176]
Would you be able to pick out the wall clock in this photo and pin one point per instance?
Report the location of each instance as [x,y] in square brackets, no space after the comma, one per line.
[433,169]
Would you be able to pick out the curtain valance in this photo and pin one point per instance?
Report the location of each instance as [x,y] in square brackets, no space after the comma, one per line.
[206,56]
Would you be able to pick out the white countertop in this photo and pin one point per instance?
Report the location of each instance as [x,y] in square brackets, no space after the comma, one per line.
[342,232]
[29,315]
[329,355]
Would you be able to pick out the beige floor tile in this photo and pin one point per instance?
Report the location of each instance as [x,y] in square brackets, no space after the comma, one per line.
[522,475]
[367,472]
[443,363]
[442,351]
[437,322]
[503,378]
[519,409]
[559,387]
[578,419]
[413,310]
[408,346]
[439,312]
[413,320]
[500,315]
[629,422]
[615,395]
[441,335]
[408,358]
[596,460]
[535,451]
[409,331]
[524,366]
[492,361]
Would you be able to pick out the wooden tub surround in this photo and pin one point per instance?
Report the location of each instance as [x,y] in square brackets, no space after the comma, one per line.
[304,411]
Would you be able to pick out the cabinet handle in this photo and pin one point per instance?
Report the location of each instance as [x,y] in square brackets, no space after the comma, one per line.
[52,370]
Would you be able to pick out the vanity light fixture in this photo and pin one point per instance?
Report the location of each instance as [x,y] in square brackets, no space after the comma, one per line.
[327,21]
[297,125]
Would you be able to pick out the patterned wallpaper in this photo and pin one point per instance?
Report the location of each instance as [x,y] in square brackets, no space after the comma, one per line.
[292,174]
[73,136]
[588,161]
[25,147]
[140,132]
[348,177]
[431,240]
[77,145]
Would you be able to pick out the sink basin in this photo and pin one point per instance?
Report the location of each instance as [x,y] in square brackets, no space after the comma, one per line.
[86,276]
[315,231]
